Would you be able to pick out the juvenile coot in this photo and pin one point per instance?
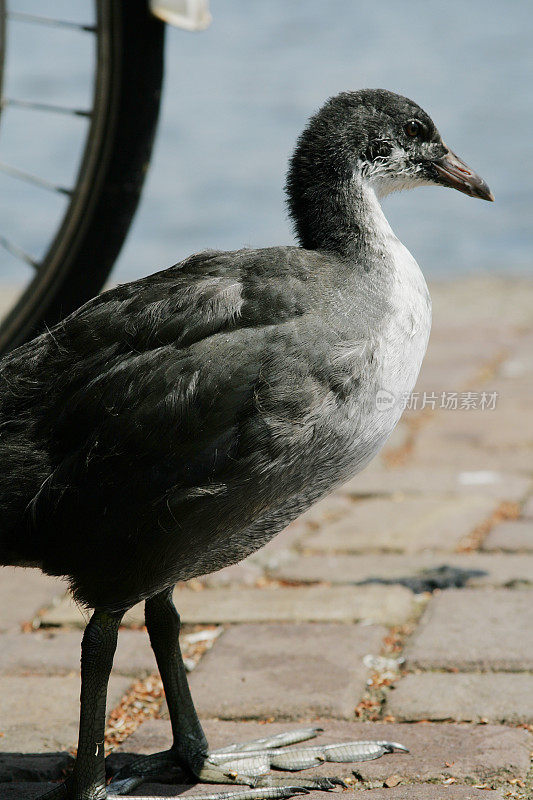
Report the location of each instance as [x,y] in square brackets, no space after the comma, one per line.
[173,425]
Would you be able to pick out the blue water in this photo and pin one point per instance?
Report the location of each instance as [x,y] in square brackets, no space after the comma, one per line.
[237,95]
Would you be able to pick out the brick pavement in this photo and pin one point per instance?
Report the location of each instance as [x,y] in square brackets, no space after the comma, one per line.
[425,557]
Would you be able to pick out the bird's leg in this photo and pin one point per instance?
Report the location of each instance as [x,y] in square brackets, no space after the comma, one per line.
[189,751]
[163,625]
[246,764]
[87,781]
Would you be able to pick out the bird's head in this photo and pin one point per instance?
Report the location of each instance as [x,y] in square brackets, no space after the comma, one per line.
[399,147]
[372,137]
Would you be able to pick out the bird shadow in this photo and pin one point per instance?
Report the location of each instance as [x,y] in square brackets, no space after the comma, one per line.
[27,776]
[430,580]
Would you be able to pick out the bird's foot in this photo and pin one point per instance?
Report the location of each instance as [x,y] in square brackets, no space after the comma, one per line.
[248,764]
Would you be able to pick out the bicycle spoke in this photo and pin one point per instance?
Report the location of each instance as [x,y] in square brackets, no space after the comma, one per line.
[31,104]
[33,179]
[18,252]
[73,162]
[19,16]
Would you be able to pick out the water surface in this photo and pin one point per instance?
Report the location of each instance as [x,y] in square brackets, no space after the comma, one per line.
[237,96]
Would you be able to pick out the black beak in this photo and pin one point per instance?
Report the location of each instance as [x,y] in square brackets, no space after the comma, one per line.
[455,173]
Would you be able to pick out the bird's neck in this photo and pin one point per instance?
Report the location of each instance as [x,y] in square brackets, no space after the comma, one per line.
[341,216]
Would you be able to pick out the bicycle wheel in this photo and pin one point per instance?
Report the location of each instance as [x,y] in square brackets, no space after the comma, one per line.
[87,235]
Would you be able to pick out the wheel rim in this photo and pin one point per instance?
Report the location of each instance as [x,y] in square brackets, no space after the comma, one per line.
[51,267]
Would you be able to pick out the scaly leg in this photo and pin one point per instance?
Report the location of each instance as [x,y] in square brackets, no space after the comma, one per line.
[87,781]
[246,764]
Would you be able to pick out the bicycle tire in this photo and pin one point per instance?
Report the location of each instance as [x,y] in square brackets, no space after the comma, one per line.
[126,101]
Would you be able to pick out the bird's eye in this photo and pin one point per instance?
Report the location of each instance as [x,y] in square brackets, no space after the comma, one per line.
[413,128]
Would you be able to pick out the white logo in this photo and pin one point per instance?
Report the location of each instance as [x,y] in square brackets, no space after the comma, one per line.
[384,400]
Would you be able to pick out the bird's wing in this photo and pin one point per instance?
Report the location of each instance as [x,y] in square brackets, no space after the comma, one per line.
[171,362]
[189,398]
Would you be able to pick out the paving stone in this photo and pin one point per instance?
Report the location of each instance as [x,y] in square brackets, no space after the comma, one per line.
[445,351]
[387,605]
[511,536]
[23,592]
[33,766]
[466,456]
[411,480]
[447,376]
[470,306]
[516,389]
[66,613]
[246,573]
[510,427]
[41,713]
[50,652]
[391,605]
[152,736]
[488,569]
[399,438]
[474,697]
[527,511]
[279,549]
[432,792]
[519,365]
[333,507]
[286,671]
[403,524]
[475,629]
[514,378]
[464,752]
[522,352]
[507,425]
[449,343]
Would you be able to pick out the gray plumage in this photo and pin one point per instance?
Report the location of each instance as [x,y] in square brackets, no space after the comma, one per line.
[173,425]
